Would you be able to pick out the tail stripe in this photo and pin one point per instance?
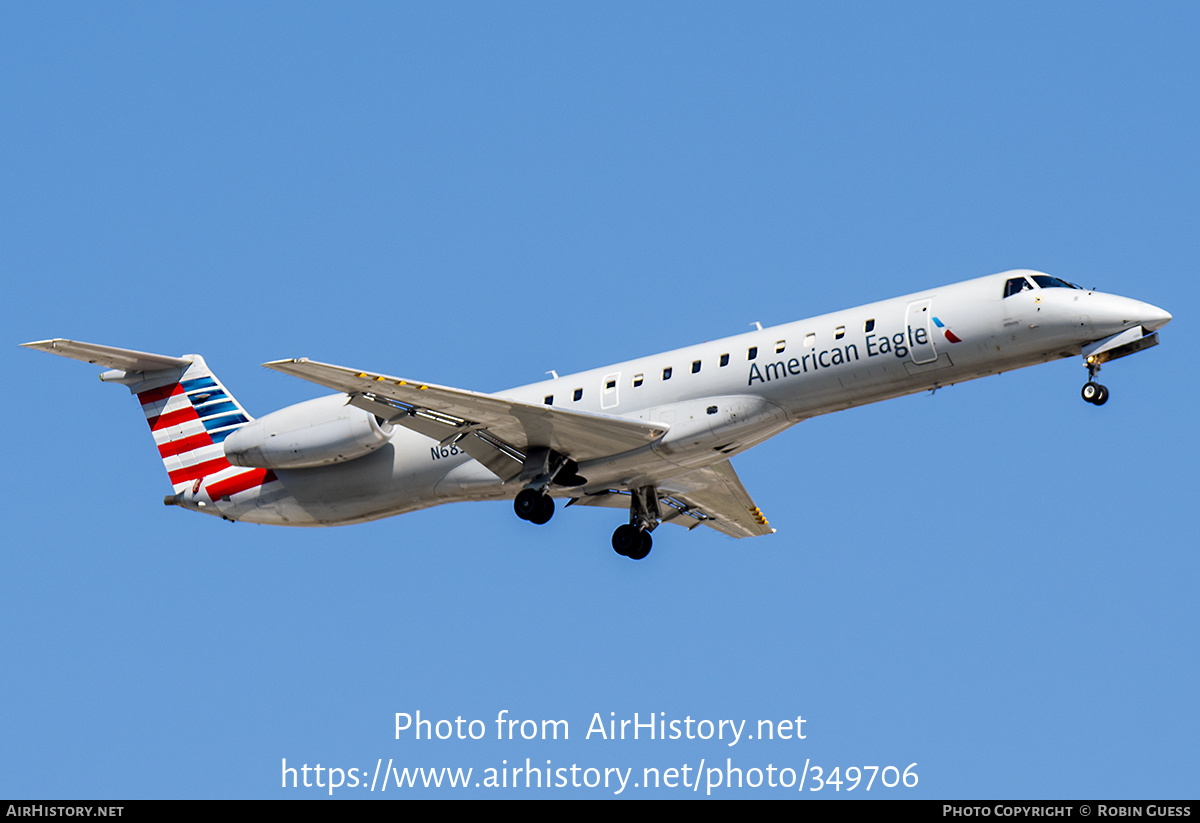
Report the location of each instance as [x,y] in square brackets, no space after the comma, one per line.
[154,395]
[190,473]
[211,406]
[172,418]
[198,383]
[239,483]
[189,420]
[221,422]
[185,444]
[188,428]
[204,454]
[154,406]
[214,406]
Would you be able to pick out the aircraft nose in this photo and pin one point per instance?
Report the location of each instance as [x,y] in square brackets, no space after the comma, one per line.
[1111,313]
[1154,318]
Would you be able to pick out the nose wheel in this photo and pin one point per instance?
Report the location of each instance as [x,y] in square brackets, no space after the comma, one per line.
[1094,393]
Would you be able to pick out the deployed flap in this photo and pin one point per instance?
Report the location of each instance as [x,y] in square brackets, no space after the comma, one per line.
[111,357]
[435,410]
[715,497]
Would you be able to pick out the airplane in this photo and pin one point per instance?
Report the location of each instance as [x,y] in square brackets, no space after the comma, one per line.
[653,436]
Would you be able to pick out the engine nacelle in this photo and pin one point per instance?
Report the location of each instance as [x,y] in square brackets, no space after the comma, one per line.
[314,433]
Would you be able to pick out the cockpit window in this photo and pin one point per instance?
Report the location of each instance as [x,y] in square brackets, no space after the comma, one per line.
[1016,285]
[1048,282]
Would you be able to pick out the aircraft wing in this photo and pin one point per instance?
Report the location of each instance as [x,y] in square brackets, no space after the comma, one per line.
[497,431]
[717,495]
[713,496]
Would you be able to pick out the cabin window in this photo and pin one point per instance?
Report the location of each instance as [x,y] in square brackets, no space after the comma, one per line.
[839,332]
[637,380]
[549,400]
[810,340]
[579,394]
[780,345]
[752,353]
[695,366]
[667,373]
[610,385]
[869,325]
[724,360]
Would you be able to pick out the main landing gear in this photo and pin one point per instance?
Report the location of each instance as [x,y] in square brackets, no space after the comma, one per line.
[1092,391]
[534,506]
[630,541]
[542,468]
[633,539]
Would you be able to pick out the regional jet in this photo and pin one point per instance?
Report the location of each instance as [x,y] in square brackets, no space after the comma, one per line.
[651,436]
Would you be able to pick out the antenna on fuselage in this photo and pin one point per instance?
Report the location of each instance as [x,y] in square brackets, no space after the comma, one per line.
[757,325]
[553,374]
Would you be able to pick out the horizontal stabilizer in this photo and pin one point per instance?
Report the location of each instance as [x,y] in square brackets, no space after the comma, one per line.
[126,360]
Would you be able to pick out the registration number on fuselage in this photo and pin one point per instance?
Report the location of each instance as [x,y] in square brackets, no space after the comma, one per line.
[442,452]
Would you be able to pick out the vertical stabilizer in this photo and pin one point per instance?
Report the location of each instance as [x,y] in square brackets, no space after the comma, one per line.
[190,417]
[189,412]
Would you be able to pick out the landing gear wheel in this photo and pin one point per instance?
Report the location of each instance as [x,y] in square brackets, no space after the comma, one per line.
[528,503]
[1094,393]
[642,550]
[626,539]
[545,511]
[630,541]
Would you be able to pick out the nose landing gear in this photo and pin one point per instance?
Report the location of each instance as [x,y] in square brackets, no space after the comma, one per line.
[1092,391]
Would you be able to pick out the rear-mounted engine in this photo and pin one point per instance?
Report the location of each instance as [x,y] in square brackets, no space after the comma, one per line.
[314,433]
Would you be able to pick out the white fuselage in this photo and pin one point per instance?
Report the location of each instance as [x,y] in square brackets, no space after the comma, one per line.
[722,397]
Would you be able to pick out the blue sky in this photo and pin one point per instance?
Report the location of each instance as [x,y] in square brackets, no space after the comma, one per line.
[996,582]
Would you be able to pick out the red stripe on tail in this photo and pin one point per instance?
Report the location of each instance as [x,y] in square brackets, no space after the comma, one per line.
[239,483]
[197,471]
[163,393]
[172,418]
[187,444]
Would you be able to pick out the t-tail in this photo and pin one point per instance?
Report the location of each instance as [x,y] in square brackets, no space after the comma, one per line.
[189,412]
